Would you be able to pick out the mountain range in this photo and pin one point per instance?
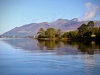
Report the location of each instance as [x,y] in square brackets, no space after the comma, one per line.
[32,28]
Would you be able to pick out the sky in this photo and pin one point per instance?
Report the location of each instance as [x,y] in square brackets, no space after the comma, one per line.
[15,13]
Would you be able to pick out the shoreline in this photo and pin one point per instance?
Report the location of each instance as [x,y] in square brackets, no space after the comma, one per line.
[65,39]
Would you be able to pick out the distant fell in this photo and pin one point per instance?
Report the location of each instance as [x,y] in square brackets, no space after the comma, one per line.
[32,28]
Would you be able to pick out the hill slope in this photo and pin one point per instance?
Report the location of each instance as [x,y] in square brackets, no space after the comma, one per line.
[33,28]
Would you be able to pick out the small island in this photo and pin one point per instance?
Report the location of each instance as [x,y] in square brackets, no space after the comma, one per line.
[84,32]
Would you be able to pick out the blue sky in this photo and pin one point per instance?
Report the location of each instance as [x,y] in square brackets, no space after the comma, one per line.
[15,13]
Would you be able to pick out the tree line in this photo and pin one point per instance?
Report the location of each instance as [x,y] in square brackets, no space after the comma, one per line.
[84,31]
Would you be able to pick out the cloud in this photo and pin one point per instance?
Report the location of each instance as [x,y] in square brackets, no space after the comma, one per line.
[91,12]
[88,5]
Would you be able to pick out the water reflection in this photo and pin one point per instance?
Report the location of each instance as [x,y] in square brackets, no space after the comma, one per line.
[83,46]
[49,44]
[88,46]
[58,47]
[25,44]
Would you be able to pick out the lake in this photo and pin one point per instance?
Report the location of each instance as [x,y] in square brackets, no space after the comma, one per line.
[25,56]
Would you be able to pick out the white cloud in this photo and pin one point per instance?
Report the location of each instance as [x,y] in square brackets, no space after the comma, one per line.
[92,11]
[88,5]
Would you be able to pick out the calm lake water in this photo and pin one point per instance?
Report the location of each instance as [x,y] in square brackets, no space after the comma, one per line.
[33,57]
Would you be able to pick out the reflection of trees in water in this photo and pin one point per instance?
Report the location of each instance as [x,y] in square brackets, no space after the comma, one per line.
[49,44]
[88,46]
[71,43]
[63,47]
[83,46]
[41,44]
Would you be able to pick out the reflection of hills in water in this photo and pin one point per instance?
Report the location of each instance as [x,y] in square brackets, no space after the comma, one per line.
[26,44]
[58,47]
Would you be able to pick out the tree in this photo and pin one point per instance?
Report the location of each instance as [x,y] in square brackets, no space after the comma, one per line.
[90,26]
[82,30]
[58,33]
[50,33]
[95,30]
[41,33]
[99,32]
[70,34]
[86,30]
[65,35]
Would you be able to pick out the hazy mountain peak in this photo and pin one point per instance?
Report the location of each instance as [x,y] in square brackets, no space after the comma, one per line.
[43,23]
[62,19]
